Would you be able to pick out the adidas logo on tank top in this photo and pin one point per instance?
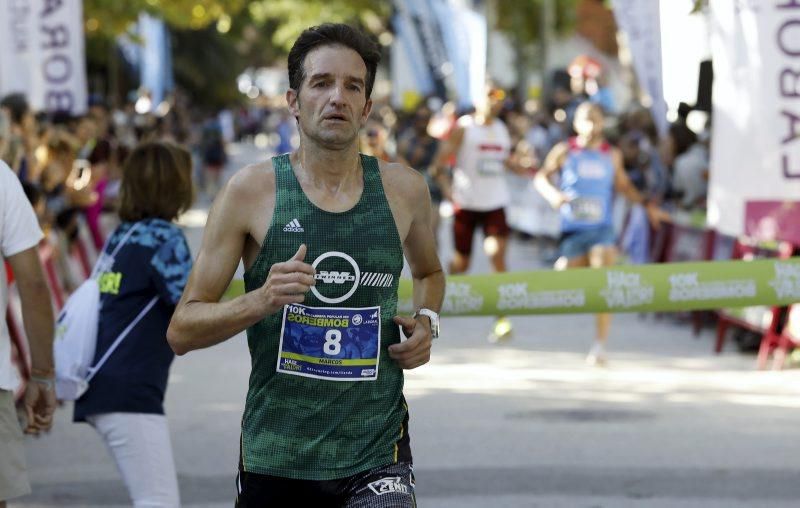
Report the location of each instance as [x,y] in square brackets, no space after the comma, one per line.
[293,227]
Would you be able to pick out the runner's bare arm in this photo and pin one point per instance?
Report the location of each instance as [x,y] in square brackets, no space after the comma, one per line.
[552,165]
[200,319]
[419,248]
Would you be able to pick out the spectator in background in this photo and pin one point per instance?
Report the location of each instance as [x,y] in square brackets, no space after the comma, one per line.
[539,135]
[416,148]
[287,132]
[677,142]
[125,401]
[638,163]
[19,240]
[690,174]
[374,137]
[66,184]
[98,150]
[20,136]
[214,155]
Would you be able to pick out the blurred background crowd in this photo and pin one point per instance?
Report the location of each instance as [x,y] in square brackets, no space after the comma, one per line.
[210,75]
[70,164]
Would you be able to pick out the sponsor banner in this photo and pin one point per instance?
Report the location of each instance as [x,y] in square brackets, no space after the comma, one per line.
[640,288]
[17,39]
[755,149]
[42,53]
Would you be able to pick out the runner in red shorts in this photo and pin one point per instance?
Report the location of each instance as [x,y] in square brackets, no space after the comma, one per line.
[478,188]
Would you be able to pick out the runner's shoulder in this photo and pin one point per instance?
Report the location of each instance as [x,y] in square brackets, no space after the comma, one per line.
[399,178]
[254,182]
[561,148]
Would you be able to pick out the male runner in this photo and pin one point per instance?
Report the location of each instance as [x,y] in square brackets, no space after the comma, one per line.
[591,170]
[479,190]
[322,232]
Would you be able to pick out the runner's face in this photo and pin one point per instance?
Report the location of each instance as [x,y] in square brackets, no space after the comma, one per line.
[331,105]
[588,122]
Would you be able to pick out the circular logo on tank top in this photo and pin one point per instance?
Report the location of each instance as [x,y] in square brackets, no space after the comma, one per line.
[337,277]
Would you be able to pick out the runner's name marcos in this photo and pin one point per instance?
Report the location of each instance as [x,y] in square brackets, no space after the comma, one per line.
[331,343]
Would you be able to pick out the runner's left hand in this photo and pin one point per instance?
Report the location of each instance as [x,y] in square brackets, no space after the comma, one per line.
[415,351]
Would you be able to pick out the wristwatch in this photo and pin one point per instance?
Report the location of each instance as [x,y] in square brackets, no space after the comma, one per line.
[434,318]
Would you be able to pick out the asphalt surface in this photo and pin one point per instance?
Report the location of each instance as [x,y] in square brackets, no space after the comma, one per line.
[523,424]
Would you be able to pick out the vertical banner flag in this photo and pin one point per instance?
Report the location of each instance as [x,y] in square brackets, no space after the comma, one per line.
[411,78]
[42,53]
[438,43]
[755,150]
[156,58]
[465,39]
[640,20]
[16,45]
[58,66]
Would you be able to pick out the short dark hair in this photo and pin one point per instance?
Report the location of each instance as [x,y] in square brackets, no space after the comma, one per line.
[17,106]
[332,34]
[156,182]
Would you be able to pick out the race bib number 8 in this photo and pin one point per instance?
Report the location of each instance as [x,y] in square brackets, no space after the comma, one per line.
[332,343]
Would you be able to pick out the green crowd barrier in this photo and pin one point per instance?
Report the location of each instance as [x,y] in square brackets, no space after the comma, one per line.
[632,288]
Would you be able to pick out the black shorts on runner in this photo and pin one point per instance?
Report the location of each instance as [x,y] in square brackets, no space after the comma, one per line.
[390,486]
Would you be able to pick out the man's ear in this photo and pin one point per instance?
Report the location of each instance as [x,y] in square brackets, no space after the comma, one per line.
[293,101]
[366,112]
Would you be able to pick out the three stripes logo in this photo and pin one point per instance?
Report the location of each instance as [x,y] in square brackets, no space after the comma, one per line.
[375,279]
[293,227]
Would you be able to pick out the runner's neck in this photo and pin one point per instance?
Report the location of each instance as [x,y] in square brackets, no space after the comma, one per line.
[330,171]
[590,142]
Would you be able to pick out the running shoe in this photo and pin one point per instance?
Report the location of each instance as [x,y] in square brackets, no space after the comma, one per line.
[501,331]
[597,355]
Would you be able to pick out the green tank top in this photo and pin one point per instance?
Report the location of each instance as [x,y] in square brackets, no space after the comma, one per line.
[325,400]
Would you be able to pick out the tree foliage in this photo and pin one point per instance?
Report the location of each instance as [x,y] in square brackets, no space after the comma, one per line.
[522,20]
[113,17]
[290,17]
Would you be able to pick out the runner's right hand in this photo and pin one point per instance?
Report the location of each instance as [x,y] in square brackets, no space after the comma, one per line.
[288,282]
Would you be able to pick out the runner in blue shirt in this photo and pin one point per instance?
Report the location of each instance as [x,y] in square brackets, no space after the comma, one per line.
[590,171]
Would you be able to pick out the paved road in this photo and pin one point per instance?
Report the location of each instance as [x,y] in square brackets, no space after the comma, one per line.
[525,424]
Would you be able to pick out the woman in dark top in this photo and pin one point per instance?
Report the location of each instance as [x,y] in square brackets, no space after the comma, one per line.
[125,400]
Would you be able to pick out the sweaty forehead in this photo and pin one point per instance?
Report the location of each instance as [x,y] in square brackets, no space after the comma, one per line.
[335,60]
